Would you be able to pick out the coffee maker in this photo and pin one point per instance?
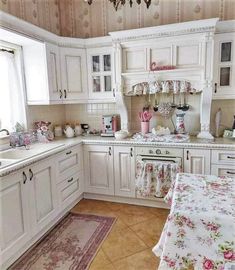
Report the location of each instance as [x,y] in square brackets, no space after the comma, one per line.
[109,125]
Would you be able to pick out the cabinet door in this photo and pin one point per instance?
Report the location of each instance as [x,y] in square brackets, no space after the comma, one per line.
[43,195]
[53,69]
[124,171]
[14,229]
[197,161]
[100,73]
[224,65]
[73,74]
[99,169]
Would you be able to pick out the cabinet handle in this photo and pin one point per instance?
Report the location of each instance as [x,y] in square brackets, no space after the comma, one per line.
[70,180]
[65,93]
[31,174]
[113,92]
[187,158]
[131,152]
[230,157]
[215,88]
[228,172]
[110,151]
[24,177]
[69,152]
[61,94]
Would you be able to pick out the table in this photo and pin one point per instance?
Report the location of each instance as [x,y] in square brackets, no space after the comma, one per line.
[200,229]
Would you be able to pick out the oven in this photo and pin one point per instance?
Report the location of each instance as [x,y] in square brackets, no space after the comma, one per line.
[159,160]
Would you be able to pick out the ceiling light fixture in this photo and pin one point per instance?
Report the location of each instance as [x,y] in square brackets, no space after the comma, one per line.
[117,3]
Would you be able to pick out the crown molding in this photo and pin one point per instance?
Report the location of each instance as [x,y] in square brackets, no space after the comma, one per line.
[225,27]
[199,26]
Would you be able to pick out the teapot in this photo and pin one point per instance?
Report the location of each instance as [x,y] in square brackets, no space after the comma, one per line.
[68,131]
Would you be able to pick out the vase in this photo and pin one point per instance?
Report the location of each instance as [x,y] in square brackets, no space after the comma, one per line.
[144,127]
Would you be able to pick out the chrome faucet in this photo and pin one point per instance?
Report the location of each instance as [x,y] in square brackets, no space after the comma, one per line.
[7,132]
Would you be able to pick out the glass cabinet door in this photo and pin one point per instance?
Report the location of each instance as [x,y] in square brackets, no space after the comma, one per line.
[96,84]
[226,51]
[107,83]
[96,63]
[107,62]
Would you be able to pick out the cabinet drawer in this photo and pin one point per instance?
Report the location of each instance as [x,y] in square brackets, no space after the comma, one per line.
[223,170]
[69,162]
[225,157]
[69,186]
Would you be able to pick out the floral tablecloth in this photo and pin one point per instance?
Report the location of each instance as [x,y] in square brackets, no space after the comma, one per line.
[200,229]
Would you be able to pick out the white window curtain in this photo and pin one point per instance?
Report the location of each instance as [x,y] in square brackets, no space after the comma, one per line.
[12,106]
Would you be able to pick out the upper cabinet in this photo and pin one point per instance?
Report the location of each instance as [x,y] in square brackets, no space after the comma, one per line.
[55,75]
[224,65]
[100,74]
[73,74]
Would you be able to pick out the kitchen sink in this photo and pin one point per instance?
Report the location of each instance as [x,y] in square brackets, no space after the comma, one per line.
[6,162]
[22,153]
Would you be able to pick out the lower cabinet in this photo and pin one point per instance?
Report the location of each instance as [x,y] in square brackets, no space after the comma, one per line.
[197,161]
[28,204]
[15,215]
[99,178]
[43,195]
[124,171]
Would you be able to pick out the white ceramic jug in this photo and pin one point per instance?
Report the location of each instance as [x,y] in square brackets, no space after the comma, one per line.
[69,132]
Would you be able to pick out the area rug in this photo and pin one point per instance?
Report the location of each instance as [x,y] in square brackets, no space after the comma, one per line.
[71,245]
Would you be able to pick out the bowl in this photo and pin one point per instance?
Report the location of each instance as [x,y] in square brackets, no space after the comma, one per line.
[121,134]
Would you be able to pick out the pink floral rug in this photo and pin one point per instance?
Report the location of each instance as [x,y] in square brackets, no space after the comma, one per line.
[71,245]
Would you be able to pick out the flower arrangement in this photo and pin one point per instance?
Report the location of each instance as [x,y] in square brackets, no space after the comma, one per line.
[43,132]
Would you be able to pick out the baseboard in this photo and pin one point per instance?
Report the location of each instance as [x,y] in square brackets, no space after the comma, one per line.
[158,203]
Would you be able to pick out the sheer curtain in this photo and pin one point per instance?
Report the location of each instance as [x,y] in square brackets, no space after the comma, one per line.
[12,107]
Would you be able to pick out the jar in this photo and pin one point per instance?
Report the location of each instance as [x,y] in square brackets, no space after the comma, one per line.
[58,131]
[180,127]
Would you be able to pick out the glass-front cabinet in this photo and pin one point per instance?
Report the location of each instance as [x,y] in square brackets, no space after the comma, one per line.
[224,65]
[100,73]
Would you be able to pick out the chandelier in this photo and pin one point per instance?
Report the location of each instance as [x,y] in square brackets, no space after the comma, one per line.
[117,3]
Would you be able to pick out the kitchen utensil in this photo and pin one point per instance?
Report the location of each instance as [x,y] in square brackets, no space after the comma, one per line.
[180,106]
[155,107]
[185,107]
[173,105]
[165,87]
[165,109]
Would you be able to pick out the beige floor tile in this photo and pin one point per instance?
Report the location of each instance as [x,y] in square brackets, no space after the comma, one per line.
[134,214]
[122,243]
[100,261]
[144,260]
[150,230]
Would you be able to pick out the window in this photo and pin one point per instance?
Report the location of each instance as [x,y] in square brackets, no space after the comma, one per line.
[12,102]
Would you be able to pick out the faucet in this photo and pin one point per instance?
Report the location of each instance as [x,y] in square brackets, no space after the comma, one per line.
[7,132]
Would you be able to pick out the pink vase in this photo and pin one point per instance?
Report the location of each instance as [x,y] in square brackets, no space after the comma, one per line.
[144,127]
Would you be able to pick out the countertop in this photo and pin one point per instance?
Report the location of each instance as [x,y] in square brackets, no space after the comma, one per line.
[58,145]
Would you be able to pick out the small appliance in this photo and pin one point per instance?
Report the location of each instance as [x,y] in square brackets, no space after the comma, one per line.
[109,125]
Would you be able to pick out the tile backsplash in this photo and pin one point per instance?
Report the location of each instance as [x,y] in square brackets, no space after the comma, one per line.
[92,114]
[89,113]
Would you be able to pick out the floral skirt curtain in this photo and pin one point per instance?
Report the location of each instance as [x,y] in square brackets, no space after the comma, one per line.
[154,178]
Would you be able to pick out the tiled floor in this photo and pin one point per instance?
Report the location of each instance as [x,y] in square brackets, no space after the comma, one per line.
[129,244]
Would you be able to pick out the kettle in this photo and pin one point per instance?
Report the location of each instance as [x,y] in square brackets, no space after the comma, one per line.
[68,131]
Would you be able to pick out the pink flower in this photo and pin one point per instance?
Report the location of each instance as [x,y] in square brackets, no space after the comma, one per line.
[208,264]
[228,254]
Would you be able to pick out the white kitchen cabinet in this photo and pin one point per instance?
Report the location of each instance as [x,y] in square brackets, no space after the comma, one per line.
[223,163]
[43,195]
[99,176]
[224,66]
[124,171]
[223,170]
[100,70]
[197,161]
[73,74]
[14,208]
[70,189]
[69,162]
